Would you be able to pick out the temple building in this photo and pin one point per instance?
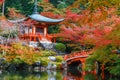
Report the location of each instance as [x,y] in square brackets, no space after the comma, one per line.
[37,30]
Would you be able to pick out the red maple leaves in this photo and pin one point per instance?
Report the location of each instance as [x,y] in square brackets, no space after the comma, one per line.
[86,28]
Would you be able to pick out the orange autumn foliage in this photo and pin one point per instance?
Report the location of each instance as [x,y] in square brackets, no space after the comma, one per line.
[17,51]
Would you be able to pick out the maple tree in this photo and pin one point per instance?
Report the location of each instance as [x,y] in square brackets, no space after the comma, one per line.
[97,25]
[89,28]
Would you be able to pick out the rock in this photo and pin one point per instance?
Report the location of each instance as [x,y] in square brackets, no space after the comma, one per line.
[46,45]
[51,66]
[33,44]
[118,51]
[52,58]
[54,66]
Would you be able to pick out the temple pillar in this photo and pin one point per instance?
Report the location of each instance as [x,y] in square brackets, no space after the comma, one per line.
[45,31]
[28,30]
[54,38]
[28,34]
[33,30]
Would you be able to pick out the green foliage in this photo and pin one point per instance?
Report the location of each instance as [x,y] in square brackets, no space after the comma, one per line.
[64,3]
[101,55]
[17,61]
[90,63]
[61,5]
[54,2]
[75,10]
[89,77]
[23,6]
[53,29]
[106,57]
[59,58]
[60,47]
[118,11]
[115,67]
[44,61]
[47,53]
[12,34]
[72,47]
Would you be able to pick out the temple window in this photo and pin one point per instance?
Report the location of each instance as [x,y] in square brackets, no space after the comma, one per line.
[39,31]
[30,29]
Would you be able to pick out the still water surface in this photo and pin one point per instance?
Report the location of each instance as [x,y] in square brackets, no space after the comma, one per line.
[50,75]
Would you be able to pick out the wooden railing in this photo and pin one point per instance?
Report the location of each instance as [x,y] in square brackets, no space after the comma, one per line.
[30,36]
[82,53]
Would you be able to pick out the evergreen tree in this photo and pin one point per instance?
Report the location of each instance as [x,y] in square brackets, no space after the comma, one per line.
[22,6]
[27,6]
[10,4]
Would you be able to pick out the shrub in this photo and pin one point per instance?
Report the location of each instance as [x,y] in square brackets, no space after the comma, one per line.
[48,53]
[59,58]
[16,53]
[44,61]
[60,47]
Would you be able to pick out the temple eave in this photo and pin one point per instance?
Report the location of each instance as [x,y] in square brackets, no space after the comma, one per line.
[41,18]
[17,20]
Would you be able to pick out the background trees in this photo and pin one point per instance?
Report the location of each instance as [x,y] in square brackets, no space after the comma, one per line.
[22,6]
[96,26]
[89,25]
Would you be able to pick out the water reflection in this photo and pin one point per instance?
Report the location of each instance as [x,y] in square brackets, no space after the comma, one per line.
[25,75]
[71,74]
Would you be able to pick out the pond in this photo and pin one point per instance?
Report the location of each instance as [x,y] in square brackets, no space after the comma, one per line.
[71,74]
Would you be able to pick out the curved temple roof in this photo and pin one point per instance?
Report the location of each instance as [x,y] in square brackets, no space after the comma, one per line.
[16,21]
[41,18]
[38,17]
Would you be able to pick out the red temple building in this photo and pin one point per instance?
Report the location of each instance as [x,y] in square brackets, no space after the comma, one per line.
[37,29]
